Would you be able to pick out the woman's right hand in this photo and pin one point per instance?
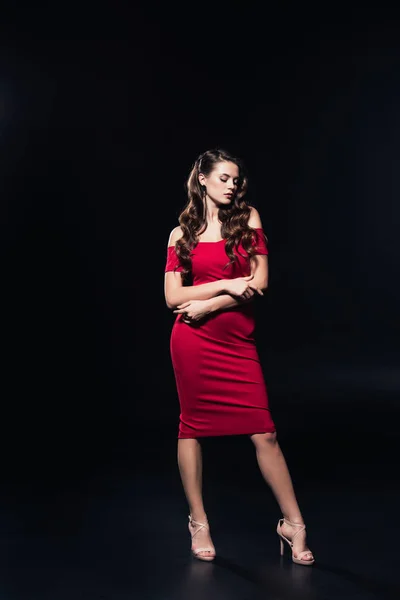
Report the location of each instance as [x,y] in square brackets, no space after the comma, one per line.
[241,287]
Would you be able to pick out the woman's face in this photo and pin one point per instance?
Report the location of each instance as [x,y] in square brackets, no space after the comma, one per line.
[222,182]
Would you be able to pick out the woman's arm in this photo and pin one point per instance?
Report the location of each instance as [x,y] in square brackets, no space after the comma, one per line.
[224,302]
[259,262]
[219,291]
[176,293]
[196,310]
[259,269]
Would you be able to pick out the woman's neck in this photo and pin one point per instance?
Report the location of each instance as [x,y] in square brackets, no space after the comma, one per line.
[212,213]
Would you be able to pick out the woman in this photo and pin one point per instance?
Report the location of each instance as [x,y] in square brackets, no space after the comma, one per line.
[216,265]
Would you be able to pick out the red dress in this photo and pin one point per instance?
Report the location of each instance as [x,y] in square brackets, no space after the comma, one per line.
[218,375]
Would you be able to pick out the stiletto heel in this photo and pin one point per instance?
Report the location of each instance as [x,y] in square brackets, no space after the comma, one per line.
[299,558]
[282,548]
[196,552]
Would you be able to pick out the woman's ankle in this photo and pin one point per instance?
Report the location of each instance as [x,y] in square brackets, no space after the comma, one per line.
[294,520]
[199,515]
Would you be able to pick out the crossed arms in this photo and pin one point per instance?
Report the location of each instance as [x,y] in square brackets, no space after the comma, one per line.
[223,294]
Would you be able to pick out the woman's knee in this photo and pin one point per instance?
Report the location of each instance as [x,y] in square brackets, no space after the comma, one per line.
[261,440]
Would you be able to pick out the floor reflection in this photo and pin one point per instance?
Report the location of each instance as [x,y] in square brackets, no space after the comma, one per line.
[197,580]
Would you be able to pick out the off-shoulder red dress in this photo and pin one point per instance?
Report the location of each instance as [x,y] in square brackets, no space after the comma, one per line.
[218,375]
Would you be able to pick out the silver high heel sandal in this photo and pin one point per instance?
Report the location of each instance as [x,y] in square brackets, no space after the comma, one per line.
[196,552]
[296,559]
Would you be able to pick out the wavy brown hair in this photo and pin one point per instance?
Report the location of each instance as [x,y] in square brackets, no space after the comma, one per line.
[234,217]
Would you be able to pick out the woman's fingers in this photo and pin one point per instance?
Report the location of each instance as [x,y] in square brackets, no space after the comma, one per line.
[248,294]
[256,289]
[251,290]
[188,319]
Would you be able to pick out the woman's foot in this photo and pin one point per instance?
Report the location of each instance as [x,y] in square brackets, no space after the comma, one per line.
[202,546]
[299,540]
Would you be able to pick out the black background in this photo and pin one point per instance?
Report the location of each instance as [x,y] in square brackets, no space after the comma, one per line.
[103,111]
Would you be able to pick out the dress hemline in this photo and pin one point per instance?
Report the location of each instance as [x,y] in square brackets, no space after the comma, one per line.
[189,436]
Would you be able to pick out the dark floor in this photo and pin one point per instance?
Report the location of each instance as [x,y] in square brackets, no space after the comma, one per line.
[118,529]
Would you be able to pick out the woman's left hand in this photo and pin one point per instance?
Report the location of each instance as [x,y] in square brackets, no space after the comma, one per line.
[195,310]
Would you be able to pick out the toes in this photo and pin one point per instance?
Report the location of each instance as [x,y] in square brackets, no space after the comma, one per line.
[308,556]
[205,552]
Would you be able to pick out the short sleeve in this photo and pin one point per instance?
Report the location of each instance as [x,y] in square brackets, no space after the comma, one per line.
[173,263]
[260,241]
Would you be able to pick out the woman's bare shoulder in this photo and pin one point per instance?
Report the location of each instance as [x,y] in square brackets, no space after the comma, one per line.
[175,235]
[254,218]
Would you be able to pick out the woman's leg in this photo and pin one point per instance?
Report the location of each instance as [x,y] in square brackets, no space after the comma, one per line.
[275,472]
[191,470]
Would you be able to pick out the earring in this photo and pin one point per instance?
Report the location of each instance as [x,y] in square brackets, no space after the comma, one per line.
[203,189]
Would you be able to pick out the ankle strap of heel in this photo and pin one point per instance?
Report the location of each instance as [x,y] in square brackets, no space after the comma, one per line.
[301,525]
[200,525]
[293,524]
